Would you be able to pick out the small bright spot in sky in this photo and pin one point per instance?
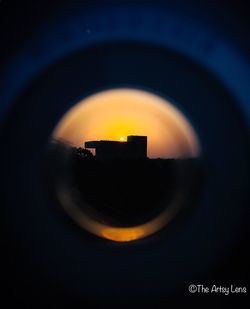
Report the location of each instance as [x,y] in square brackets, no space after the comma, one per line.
[117,113]
[113,115]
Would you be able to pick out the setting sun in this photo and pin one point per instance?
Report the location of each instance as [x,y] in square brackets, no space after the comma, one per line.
[149,128]
[115,114]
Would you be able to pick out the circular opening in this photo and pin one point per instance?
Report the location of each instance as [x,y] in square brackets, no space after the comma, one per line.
[122,162]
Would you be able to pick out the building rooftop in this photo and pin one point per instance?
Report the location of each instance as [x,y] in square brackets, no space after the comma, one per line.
[134,147]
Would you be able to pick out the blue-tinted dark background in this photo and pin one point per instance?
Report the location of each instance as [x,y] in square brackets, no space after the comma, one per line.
[48,261]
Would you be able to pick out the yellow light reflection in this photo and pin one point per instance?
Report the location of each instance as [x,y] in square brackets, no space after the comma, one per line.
[118,234]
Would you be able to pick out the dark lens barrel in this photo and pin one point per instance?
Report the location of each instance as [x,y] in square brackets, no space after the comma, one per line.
[53,55]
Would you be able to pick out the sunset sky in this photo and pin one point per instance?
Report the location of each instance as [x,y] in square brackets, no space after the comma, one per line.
[115,114]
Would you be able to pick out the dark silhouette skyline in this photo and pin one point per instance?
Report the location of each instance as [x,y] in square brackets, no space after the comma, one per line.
[120,188]
[134,148]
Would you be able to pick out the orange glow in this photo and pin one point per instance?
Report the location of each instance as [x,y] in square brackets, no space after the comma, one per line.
[115,114]
[118,234]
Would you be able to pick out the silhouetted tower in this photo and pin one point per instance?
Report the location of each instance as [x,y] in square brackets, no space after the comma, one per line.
[138,145]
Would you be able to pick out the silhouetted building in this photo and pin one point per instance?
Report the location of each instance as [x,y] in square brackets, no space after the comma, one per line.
[134,148]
